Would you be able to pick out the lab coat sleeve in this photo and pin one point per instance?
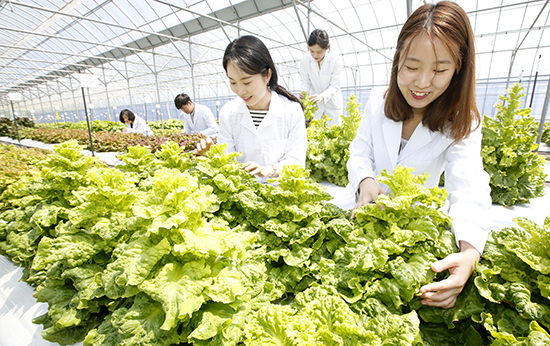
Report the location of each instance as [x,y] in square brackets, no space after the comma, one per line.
[212,125]
[145,129]
[226,132]
[304,75]
[469,197]
[187,123]
[296,146]
[334,85]
[361,162]
[141,127]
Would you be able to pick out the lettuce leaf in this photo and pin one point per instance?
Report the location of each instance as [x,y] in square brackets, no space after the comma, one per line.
[180,290]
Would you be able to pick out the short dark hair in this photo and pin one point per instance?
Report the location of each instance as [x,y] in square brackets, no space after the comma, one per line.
[128,114]
[181,100]
[320,37]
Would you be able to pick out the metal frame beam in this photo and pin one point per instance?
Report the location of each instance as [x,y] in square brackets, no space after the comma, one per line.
[344,30]
[180,32]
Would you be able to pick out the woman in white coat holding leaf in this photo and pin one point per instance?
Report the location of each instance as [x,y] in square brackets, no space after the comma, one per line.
[320,72]
[428,120]
[265,122]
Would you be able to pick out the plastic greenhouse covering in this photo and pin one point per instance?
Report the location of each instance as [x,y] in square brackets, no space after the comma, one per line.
[143,53]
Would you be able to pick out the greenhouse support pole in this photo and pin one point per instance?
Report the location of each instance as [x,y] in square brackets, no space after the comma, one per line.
[91,105]
[107,94]
[15,122]
[40,101]
[31,106]
[51,104]
[409,8]
[19,108]
[159,112]
[7,111]
[25,106]
[87,121]
[533,92]
[355,75]
[61,100]
[3,111]
[535,82]
[192,65]
[544,111]
[145,102]
[308,17]
[74,100]
[128,82]
[299,20]
[33,110]
[514,53]
[168,108]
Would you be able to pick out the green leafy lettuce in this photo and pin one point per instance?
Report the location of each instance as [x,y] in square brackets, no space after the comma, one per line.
[509,152]
[327,152]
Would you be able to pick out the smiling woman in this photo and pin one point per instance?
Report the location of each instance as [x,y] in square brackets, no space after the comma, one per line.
[250,88]
[428,120]
[265,122]
[424,74]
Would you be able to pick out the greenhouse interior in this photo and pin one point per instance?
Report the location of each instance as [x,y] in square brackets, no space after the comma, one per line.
[150,194]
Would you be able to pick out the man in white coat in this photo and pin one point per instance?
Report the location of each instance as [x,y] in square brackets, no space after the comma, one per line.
[320,75]
[197,118]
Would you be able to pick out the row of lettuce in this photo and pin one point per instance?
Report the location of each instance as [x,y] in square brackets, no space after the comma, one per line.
[106,135]
[509,148]
[7,127]
[174,249]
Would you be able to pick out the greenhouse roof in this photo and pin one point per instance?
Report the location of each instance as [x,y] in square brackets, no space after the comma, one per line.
[156,49]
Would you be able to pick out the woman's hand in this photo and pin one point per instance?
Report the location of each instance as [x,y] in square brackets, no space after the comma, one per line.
[255,168]
[316,98]
[203,146]
[369,190]
[461,266]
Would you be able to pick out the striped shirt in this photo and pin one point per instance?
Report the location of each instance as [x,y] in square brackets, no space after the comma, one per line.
[257,116]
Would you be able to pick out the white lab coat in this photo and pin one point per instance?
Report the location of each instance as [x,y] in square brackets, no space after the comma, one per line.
[281,138]
[139,126]
[376,147]
[203,122]
[324,81]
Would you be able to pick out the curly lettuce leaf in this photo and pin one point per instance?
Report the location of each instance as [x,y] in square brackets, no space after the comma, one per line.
[137,325]
[132,264]
[176,199]
[180,290]
[71,249]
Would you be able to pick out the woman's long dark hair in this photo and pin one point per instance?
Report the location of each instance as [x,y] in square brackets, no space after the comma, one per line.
[456,107]
[251,55]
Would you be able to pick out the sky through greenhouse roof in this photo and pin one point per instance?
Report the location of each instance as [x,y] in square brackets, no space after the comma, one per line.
[156,49]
